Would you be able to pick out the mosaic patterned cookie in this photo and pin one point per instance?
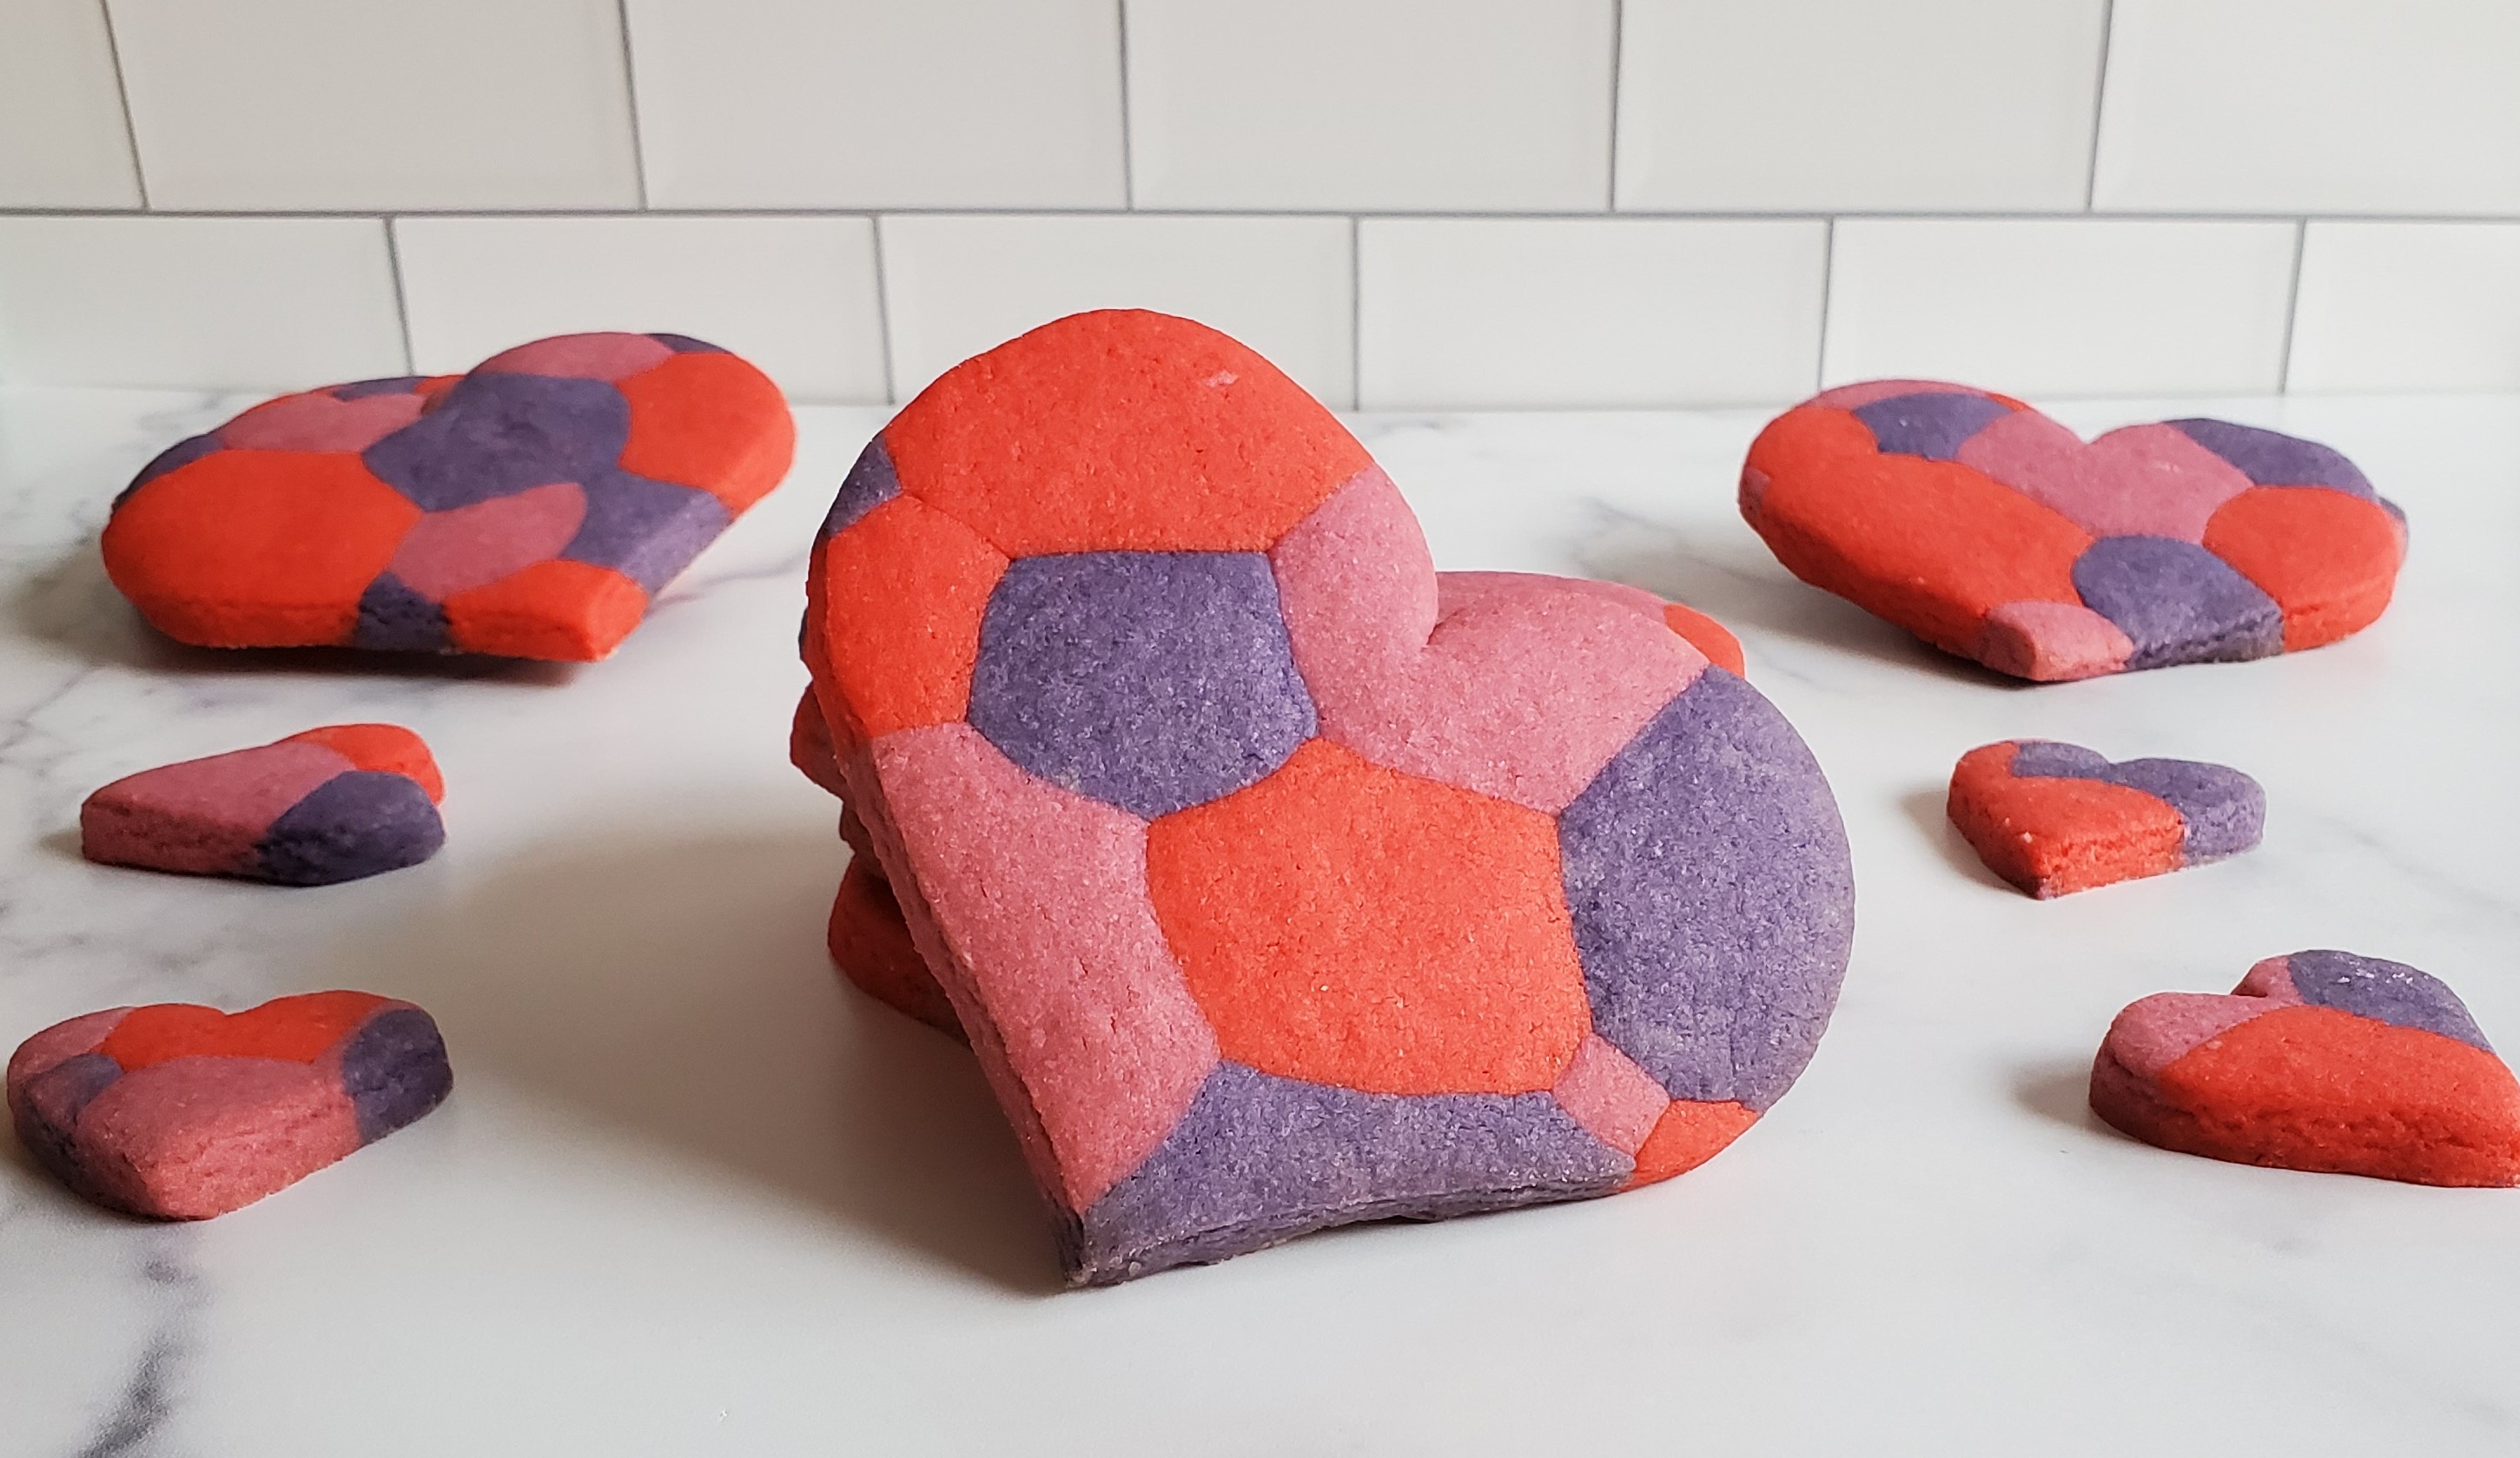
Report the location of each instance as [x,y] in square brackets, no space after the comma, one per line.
[531,508]
[2322,1061]
[183,1112]
[333,803]
[1275,885]
[2054,818]
[869,940]
[1991,532]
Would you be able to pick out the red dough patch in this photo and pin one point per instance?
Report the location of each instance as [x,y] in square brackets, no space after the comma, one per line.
[714,421]
[564,611]
[2328,559]
[1707,635]
[294,1029]
[1121,431]
[382,746]
[896,612]
[2054,836]
[257,549]
[1353,925]
[1687,1135]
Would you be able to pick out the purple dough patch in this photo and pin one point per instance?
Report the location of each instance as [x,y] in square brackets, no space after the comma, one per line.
[2224,810]
[395,1071]
[392,616]
[649,530]
[2270,458]
[1259,1159]
[1714,900]
[871,482]
[1153,681]
[2180,602]
[686,344]
[400,385]
[1933,425]
[360,823]
[2384,992]
[494,435]
[182,453]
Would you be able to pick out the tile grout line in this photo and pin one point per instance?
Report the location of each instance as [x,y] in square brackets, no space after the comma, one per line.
[1673,215]
[403,300]
[1618,45]
[122,93]
[1827,281]
[884,313]
[1128,128]
[630,90]
[2292,308]
[2099,103]
[1356,313]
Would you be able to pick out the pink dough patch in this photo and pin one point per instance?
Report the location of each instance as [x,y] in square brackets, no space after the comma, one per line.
[1041,896]
[2272,980]
[1523,691]
[1454,590]
[448,552]
[2047,643]
[316,421]
[2141,481]
[1604,1091]
[1857,396]
[607,356]
[194,1137]
[2154,1032]
[203,816]
[39,1053]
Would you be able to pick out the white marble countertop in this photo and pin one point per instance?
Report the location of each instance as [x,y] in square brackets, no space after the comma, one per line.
[693,1195]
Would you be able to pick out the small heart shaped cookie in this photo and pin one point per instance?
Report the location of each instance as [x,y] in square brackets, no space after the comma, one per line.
[1991,532]
[332,804]
[183,1111]
[1276,886]
[2053,818]
[2322,1061]
[529,508]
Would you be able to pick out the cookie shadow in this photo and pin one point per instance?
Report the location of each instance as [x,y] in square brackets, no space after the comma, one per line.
[74,605]
[2060,1091]
[677,991]
[1929,810]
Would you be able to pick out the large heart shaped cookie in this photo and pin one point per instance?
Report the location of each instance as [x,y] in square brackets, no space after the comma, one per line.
[530,509]
[1991,531]
[2323,1061]
[2053,818]
[1272,891]
[184,1112]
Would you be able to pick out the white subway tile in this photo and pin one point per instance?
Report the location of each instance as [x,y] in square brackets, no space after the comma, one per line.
[2084,306]
[2408,306]
[2313,105]
[1821,105]
[380,105]
[214,303]
[1581,313]
[1377,104]
[62,138]
[958,285]
[880,104]
[795,296]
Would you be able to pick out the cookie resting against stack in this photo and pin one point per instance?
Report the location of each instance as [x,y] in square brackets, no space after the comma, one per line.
[531,508]
[1991,532]
[1274,890]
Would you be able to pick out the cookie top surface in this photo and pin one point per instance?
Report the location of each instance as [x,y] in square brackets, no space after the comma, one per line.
[1992,532]
[529,508]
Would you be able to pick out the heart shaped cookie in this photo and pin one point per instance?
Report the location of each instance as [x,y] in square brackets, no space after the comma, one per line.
[1272,891]
[2322,1061]
[332,804]
[2053,818]
[1991,532]
[183,1111]
[529,508]
[869,940]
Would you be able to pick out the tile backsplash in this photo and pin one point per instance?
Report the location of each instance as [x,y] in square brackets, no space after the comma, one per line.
[1407,205]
